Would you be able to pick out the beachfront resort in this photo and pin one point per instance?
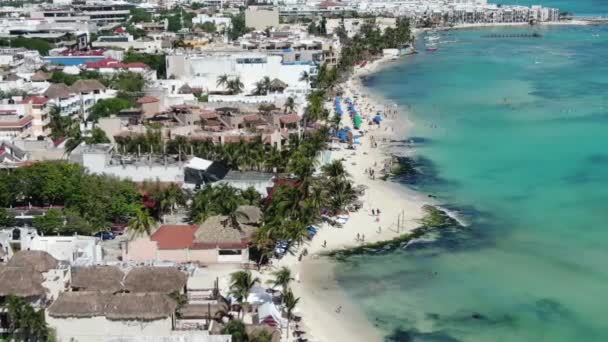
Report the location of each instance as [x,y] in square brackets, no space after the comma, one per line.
[182,170]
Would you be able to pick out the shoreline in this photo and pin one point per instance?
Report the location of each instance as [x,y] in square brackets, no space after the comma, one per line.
[329,314]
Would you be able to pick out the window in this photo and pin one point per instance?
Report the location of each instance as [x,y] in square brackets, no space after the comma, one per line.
[230,252]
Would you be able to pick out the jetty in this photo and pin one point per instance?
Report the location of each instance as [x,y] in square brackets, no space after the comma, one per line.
[513,35]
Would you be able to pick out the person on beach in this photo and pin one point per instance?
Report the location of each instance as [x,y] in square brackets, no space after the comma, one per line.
[379,229]
[357,237]
[378,212]
[363,238]
[373,212]
[324,243]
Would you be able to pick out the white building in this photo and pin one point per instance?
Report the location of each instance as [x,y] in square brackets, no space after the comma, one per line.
[76,250]
[203,70]
[217,21]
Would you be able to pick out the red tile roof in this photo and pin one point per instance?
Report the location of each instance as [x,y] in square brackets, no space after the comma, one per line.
[17,124]
[114,64]
[289,119]
[147,99]
[330,4]
[35,100]
[174,236]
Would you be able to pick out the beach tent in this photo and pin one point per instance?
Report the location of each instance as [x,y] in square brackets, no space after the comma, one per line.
[378,118]
[258,296]
[357,121]
[270,315]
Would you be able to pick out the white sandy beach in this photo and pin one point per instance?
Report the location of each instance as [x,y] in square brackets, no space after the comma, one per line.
[319,292]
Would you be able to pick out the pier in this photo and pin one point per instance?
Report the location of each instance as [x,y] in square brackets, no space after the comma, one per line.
[513,35]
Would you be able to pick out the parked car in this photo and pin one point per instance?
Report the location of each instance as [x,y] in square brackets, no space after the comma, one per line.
[105,235]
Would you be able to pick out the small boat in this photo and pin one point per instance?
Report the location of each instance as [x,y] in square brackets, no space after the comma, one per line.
[432,48]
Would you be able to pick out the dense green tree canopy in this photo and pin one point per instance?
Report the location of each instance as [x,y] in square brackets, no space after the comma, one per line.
[99,200]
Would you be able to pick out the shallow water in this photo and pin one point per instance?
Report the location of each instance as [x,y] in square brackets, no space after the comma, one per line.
[516,132]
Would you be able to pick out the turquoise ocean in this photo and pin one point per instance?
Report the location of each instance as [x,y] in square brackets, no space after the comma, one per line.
[514,137]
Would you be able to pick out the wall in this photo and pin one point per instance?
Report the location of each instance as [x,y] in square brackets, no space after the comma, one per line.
[203,70]
[261,17]
[100,329]
[140,249]
[96,163]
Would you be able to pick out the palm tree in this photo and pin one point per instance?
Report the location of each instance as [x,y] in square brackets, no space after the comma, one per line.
[290,301]
[224,310]
[289,104]
[305,76]
[335,170]
[282,278]
[171,197]
[267,84]
[241,283]
[261,336]
[236,329]
[235,86]
[141,223]
[222,80]
[259,89]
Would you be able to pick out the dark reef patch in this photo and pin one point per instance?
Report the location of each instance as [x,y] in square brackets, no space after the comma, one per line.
[413,335]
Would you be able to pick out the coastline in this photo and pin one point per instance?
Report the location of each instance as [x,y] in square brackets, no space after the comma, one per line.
[320,295]
[317,285]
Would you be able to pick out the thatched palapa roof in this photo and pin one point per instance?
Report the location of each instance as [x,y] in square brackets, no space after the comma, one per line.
[155,279]
[199,311]
[40,261]
[140,306]
[97,278]
[41,76]
[21,282]
[216,231]
[185,89]
[87,86]
[277,84]
[79,304]
[253,213]
[57,91]
[121,306]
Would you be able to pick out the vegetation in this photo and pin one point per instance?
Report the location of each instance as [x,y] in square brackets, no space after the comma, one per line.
[178,19]
[241,283]
[236,328]
[41,45]
[370,41]
[6,220]
[25,322]
[221,200]
[238,27]
[156,62]
[141,223]
[282,278]
[434,219]
[208,27]
[289,301]
[106,107]
[98,200]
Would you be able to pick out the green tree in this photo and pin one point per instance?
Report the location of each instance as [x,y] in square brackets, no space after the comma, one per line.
[6,219]
[107,107]
[51,223]
[154,61]
[282,278]
[238,27]
[222,80]
[208,27]
[235,86]
[98,136]
[139,15]
[25,323]
[41,45]
[241,283]
[58,124]
[236,329]
[290,301]
[141,223]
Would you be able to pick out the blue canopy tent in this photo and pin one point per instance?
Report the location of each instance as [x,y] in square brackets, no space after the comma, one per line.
[378,118]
